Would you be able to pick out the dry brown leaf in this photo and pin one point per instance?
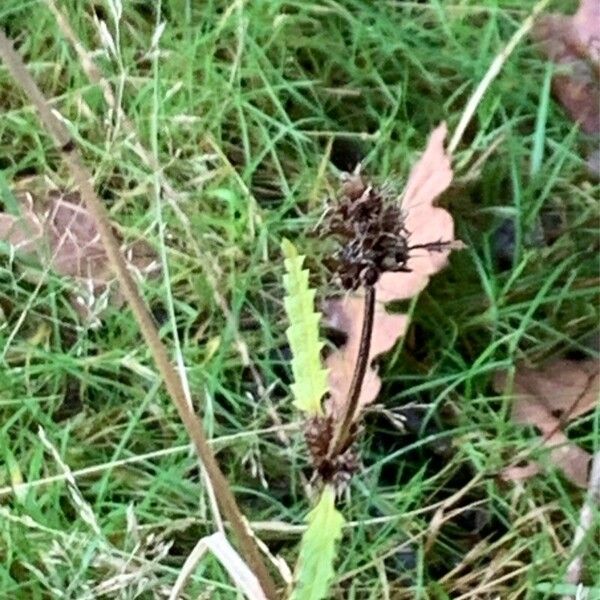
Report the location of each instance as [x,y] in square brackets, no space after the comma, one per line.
[430,176]
[62,234]
[549,398]
[74,240]
[573,43]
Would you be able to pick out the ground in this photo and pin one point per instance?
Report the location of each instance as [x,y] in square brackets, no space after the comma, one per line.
[239,103]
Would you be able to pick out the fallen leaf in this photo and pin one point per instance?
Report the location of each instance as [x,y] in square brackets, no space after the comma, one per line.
[61,233]
[549,398]
[429,178]
[426,223]
[347,314]
[520,472]
[573,44]
[592,164]
[22,232]
[74,240]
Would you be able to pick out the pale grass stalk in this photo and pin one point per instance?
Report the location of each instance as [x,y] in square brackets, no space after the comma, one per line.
[94,74]
[156,180]
[491,74]
[350,135]
[475,553]
[281,528]
[239,52]
[479,591]
[277,561]
[474,171]
[408,543]
[83,508]
[440,517]
[590,508]
[32,296]
[383,579]
[456,8]
[230,560]
[129,574]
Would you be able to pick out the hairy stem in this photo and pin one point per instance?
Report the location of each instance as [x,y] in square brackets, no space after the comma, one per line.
[342,434]
[82,177]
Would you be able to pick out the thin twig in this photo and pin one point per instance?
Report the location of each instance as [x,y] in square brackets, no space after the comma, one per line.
[158,196]
[342,434]
[586,520]
[192,423]
[492,73]
[220,547]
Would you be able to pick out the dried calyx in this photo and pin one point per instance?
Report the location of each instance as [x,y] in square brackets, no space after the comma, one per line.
[337,468]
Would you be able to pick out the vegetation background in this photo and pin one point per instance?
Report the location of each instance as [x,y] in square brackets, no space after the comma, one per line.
[239,103]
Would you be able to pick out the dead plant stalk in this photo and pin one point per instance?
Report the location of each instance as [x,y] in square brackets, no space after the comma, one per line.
[342,435]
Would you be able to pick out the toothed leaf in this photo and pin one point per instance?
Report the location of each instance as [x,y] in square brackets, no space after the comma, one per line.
[318,549]
[310,378]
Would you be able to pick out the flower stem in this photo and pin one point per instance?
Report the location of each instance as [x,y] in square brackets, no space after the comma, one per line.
[340,439]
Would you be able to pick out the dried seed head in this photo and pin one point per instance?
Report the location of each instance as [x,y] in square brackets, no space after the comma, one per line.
[369,226]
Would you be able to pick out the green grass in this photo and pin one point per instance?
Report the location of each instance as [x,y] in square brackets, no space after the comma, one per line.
[239,107]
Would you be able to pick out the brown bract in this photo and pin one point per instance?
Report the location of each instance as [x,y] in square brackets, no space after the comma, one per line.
[425,224]
[549,398]
[60,233]
[573,43]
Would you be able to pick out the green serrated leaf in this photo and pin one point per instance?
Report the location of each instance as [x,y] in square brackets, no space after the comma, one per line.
[289,250]
[310,378]
[318,549]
